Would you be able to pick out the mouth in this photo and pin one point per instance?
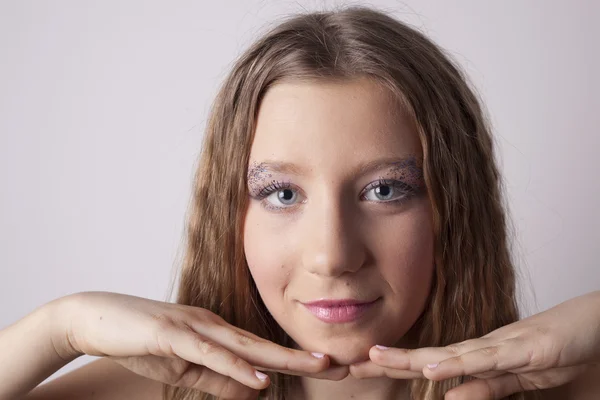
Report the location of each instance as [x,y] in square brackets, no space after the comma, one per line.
[338,311]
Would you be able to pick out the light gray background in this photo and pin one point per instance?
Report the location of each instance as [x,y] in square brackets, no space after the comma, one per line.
[103,104]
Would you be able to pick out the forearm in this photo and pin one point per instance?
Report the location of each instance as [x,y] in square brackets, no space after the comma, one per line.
[591,302]
[596,299]
[32,349]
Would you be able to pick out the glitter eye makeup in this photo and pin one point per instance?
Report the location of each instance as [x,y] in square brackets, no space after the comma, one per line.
[257,177]
[409,171]
[402,181]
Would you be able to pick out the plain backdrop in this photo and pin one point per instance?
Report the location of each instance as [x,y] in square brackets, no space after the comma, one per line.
[103,106]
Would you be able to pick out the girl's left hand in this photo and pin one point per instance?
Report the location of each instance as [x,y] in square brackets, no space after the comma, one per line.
[543,351]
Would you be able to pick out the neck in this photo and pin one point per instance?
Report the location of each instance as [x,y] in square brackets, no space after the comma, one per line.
[351,388]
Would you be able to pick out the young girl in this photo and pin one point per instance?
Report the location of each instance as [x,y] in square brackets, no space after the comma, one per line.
[347,238]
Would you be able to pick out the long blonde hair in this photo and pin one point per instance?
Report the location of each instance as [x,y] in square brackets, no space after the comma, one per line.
[473,288]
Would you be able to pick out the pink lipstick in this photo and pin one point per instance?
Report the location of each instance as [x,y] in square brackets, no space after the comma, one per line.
[339,311]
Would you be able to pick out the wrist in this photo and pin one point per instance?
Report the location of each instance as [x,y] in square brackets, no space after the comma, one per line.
[596,298]
[590,302]
[58,314]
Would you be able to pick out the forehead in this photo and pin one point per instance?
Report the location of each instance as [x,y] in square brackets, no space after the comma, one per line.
[315,122]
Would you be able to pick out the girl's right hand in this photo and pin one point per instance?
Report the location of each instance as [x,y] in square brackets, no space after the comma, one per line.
[180,345]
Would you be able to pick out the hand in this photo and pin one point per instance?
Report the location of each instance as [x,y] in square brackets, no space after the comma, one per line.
[543,351]
[179,345]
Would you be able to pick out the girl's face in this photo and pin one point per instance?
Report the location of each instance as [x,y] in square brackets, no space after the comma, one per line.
[338,233]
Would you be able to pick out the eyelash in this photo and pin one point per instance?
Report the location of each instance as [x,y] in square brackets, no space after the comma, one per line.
[275,186]
[272,187]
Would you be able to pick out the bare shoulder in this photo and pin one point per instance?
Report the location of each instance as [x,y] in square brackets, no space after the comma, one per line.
[102,379]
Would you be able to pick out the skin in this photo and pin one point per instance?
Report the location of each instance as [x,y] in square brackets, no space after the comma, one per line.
[332,235]
[335,242]
[556,351]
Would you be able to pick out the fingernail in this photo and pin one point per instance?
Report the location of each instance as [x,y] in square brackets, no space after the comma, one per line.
[380,347]
[432,366]
[261,376]
[318,355]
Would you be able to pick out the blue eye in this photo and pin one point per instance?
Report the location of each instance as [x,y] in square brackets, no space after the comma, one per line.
[285,196]
[277,196]
[387,191]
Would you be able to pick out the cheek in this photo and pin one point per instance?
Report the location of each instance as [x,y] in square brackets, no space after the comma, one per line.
[265,254]
[408,265]
[406,259]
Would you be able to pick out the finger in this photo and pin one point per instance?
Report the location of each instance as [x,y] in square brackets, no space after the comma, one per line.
[489,374]
[266,354]
[223,387]
[403,360]
[416,359]
[194,348]
[509,383]
[177,372]
[336,373]
[369,369]
[506,357]
[486,389]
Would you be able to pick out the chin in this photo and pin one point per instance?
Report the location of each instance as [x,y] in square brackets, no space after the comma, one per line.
[341,350]
[347,357]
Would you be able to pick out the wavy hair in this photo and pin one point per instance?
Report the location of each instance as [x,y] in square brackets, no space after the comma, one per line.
[472,250]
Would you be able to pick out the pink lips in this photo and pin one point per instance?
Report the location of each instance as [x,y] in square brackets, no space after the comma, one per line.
[339,311]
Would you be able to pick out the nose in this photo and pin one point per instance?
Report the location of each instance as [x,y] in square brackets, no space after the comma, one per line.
[332,242]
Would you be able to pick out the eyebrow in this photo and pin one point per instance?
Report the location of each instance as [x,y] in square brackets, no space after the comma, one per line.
[410,161]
